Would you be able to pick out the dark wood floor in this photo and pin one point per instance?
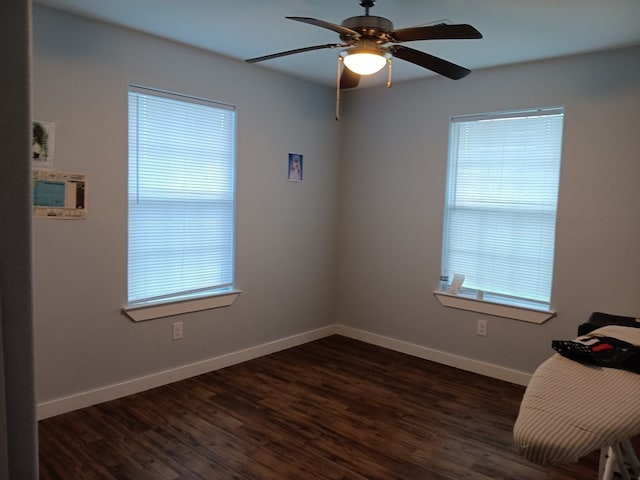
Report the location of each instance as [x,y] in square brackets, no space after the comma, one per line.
[332,409]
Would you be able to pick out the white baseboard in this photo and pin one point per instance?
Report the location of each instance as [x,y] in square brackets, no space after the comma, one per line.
[137,385]
[463,363]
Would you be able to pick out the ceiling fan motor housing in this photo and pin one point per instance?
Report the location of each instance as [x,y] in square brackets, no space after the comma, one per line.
[368,26]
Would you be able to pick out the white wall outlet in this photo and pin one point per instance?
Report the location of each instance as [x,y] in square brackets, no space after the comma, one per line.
[482,327]
[176,330]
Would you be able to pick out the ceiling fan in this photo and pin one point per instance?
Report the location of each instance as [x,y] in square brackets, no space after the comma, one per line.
[371,41]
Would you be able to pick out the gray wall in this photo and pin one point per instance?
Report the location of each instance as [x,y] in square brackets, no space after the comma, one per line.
[392,200]
[357,243]
[286,232]
[18,436]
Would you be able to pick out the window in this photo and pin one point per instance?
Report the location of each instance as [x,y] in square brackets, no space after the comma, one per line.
[181,197]
[500,207]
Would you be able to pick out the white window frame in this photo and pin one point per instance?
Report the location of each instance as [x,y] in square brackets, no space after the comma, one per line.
[502,302]
[163,292]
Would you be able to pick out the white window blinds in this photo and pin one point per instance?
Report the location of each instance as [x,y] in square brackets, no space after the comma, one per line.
[500,210]
[181,196]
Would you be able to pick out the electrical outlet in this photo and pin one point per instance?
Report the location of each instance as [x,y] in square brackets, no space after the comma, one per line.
[482,327]
[176,331]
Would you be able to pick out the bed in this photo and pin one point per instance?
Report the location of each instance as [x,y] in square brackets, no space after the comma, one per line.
[570,409]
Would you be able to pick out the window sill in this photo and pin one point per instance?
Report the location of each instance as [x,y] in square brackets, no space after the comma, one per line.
[496,309]
[149,312]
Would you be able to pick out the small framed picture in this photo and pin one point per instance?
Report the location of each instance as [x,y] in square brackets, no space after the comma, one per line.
[456,283]
[42,144]
[294,170]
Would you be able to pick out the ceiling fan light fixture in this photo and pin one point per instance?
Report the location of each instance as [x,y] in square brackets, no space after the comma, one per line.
[365,61]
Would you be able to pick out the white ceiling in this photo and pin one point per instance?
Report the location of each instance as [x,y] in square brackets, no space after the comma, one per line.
[514,30]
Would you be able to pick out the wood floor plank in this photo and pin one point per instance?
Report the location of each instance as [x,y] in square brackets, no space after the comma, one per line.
[334,409]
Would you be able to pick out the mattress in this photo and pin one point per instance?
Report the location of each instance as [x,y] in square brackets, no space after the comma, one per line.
[570,409]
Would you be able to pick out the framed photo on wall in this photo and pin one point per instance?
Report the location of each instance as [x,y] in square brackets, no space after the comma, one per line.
[42,144]
[294,169]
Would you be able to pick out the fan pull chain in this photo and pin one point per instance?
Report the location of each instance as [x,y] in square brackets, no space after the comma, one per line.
[340,60]
[389,69]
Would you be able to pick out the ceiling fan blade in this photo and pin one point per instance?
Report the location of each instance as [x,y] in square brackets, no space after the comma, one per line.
[297,50]
[438,65]
[436,32]
[349,79]
[331,26]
